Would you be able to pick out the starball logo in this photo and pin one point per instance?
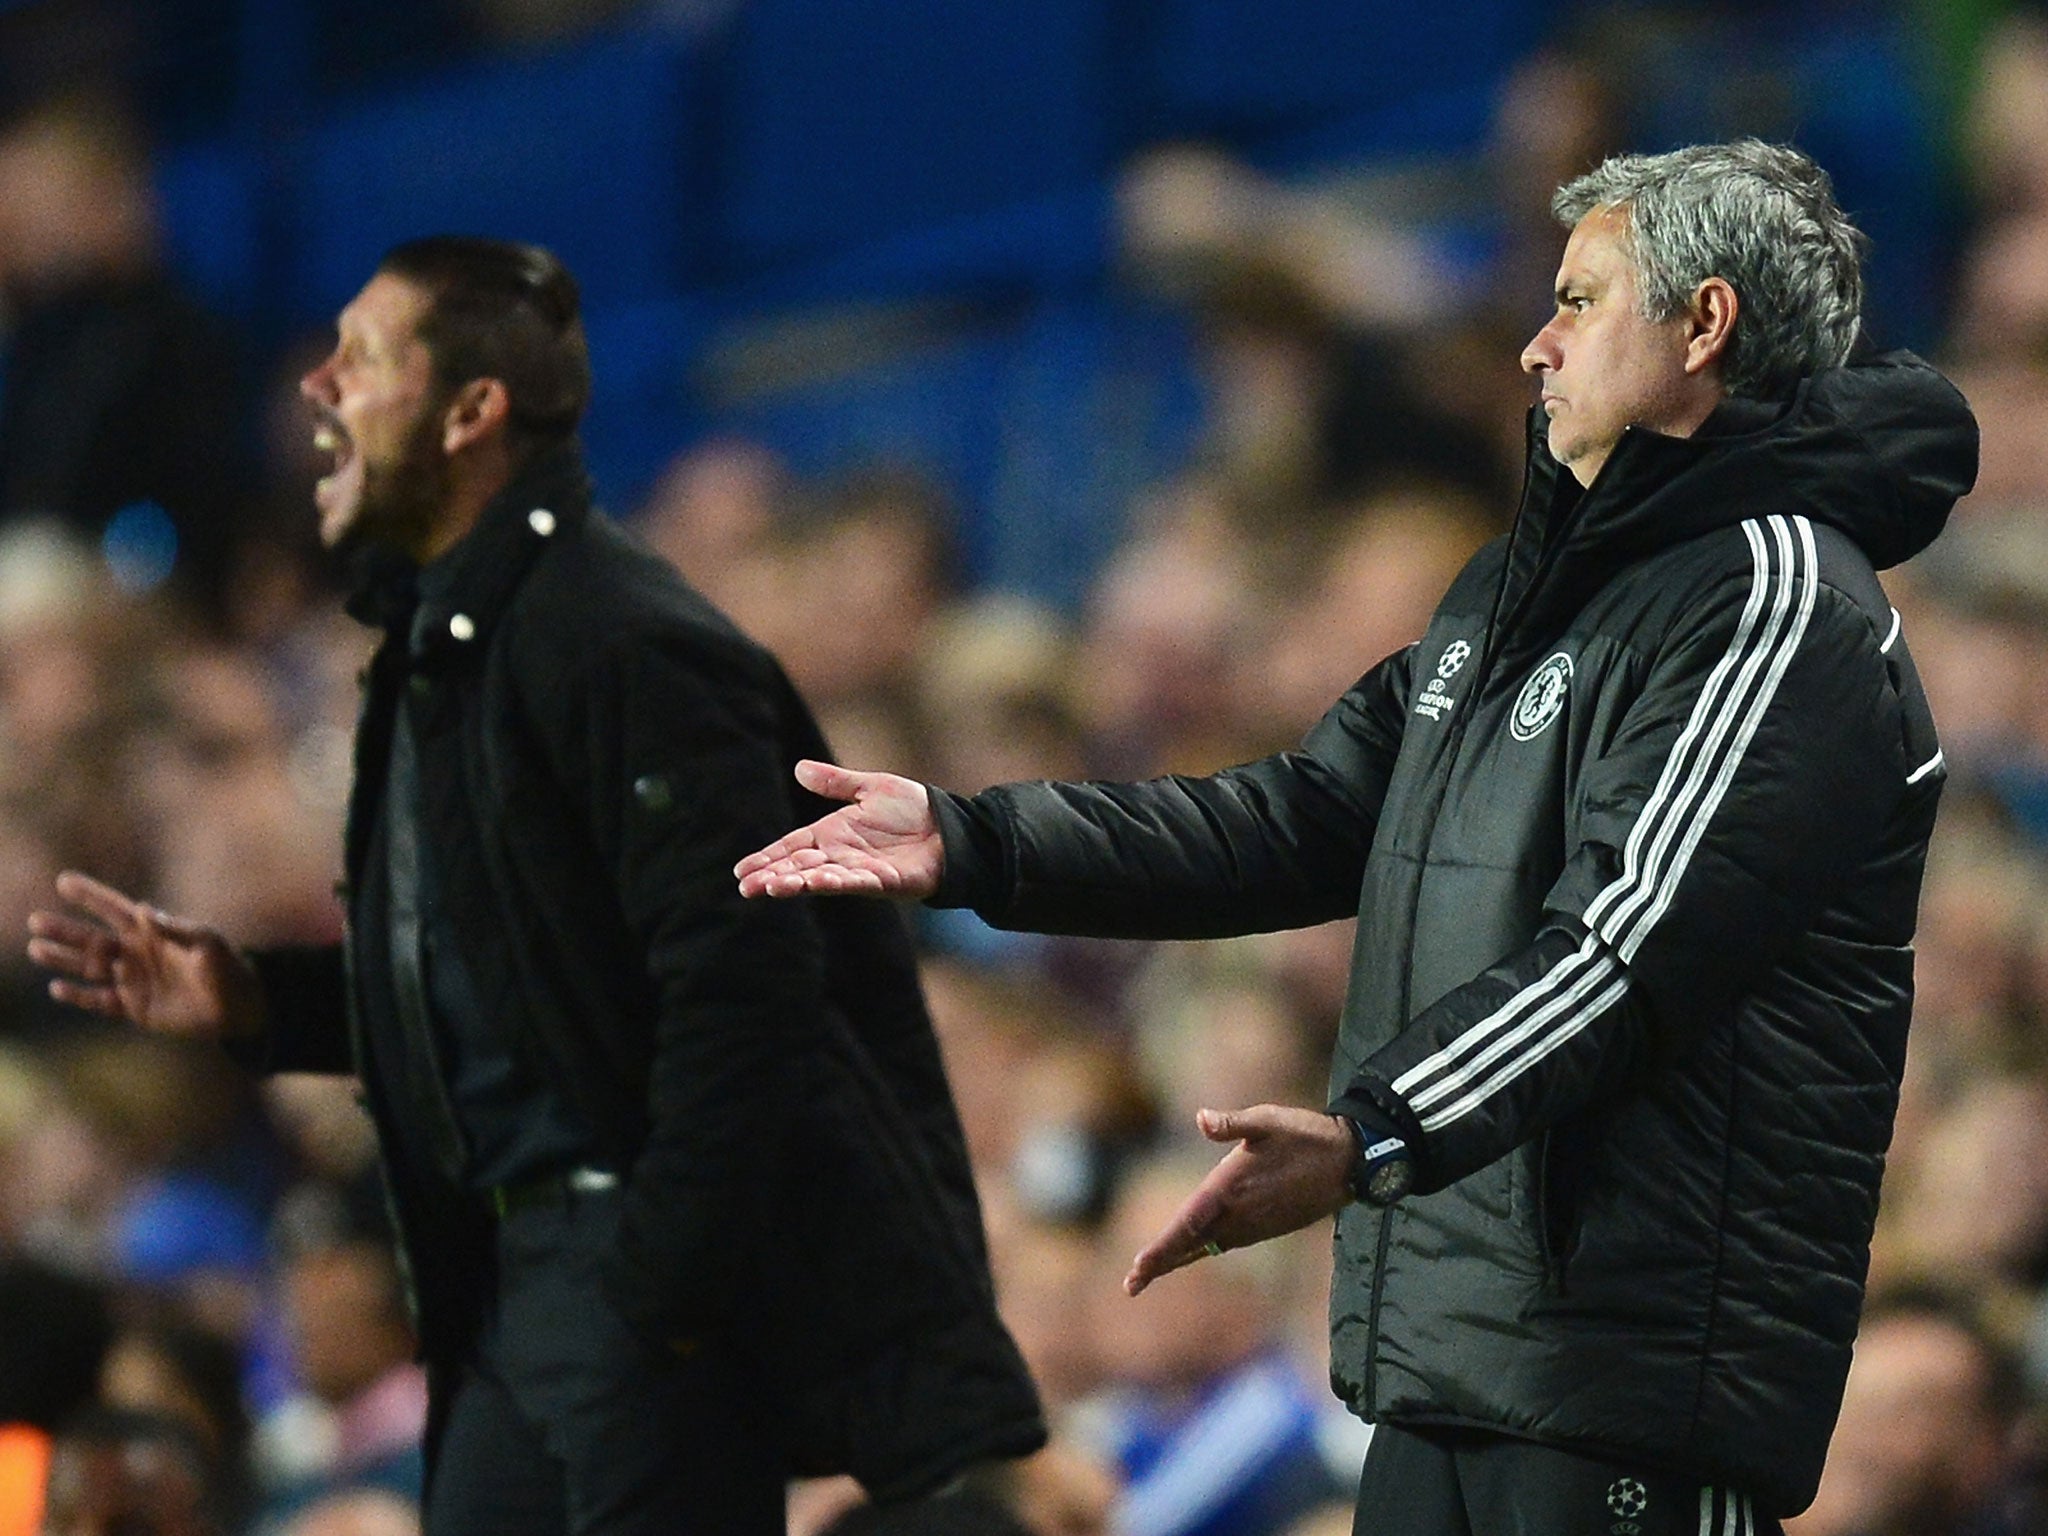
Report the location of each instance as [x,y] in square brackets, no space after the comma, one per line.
[1435,698]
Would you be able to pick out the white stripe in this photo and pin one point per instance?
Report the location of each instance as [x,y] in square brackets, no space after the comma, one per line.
[1241,1428]
[1730,1505]
[1891,639]
[1706,1512]
[1677,815]
[1705,712]
[1781,663]
[1924,769]
[1514,1069]
[1595,974]
[1748,1523]
[1723,721]
[1500,1018]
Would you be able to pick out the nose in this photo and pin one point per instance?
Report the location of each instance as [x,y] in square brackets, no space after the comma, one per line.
[318,384]
[1541,355]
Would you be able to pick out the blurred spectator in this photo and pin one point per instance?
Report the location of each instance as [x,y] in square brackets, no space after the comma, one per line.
[1926,1442]
[358,1512]
[872,556]
[168,1365]
[1309,315]
[995,693]
[364,1405]
[1172,630]
[1214,1430]
[121,414]
[118,1473]
[240,843]
[1049,1106]
[1971,1206]
[1225,1037]
[1366,587]
[55,1171]
[1045,1272]
[712,515]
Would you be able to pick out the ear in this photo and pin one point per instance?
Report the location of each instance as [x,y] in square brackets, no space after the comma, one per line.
[479,411]
[1710,324]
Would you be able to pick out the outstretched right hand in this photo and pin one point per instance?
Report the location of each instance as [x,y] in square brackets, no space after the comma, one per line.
[129,961]
[886,843]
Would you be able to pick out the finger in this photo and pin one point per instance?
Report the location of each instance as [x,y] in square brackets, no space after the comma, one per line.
[62,928]
[1175,1248]
[1241,1124]
[104,1000]
[830,780]
[775,852]
[122,913]
[84,961]
[832,880]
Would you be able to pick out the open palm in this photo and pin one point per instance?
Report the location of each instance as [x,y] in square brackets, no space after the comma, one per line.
[884,842]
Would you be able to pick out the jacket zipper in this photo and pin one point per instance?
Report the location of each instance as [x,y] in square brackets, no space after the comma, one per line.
[1497,624]
[1553,1261]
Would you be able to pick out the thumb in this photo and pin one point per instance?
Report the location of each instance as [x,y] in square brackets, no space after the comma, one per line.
[830,780]
[1218,1124]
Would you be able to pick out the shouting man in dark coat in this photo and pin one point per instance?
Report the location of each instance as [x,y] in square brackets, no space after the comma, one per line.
[1634,835]
[684,1196]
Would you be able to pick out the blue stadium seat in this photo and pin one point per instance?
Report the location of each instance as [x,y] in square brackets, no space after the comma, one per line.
[1042,425]
[585,149]
[642,407]
[1051,245]
[1100,400]
[1238,71]
[931,407]
[211,195]
[848,123]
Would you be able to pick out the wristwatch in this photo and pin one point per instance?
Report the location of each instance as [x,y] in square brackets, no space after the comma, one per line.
[1382,1170]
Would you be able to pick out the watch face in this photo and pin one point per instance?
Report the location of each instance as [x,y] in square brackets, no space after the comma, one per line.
[1389,1181]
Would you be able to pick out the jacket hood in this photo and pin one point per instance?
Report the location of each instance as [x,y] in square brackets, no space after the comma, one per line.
[1880,449]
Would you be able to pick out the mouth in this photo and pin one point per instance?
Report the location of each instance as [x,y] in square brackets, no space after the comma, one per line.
[334,490]
[332,439]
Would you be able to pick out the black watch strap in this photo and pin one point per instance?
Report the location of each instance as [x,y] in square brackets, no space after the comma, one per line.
[1390,1145]
[1382,1166]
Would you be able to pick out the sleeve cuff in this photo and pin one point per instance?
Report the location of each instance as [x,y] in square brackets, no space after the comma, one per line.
[973,850]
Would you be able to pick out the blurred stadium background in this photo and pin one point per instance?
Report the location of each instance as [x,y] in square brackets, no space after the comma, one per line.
[1061,387]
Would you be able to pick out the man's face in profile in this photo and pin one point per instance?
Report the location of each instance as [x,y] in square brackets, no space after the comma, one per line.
[1603,367]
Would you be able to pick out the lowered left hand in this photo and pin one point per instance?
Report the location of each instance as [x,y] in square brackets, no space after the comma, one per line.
[1290,1167]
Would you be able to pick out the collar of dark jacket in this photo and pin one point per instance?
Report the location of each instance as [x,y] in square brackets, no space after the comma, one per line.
[1880,449]
[448,608]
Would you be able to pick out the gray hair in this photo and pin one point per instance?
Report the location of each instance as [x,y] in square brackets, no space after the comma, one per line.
[1760,216]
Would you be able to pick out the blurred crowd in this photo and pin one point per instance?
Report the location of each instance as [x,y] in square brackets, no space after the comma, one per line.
[198,1296]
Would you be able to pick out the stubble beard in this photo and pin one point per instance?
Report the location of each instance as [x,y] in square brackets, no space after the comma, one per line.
[404,496]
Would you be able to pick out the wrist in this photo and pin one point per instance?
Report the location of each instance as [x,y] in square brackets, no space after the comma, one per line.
[1382,1166]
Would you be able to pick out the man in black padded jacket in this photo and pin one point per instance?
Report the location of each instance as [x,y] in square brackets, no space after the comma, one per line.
[1635,836]
[686,1204]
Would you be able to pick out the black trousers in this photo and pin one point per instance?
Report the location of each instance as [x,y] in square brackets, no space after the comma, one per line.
[563,1421]
[1432,1482]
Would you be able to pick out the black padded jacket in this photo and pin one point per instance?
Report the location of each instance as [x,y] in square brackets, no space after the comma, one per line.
[597,747]
[1635,836]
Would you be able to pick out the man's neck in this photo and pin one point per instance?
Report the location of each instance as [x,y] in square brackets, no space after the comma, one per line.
[468,495]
